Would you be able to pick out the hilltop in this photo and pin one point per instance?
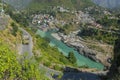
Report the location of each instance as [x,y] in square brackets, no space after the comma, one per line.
[71,4]
[112,4]
[43,4]
[18,4]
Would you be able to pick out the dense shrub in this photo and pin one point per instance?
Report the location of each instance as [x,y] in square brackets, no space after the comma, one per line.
[14,29]
[23,68]
[72,58]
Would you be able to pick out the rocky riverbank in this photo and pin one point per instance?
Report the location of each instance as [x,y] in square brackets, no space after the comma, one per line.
[78,43]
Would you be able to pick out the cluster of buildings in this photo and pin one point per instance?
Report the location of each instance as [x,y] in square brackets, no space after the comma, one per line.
[47,21]
[44,21]
[61,9]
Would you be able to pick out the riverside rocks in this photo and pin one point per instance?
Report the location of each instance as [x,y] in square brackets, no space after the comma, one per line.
[78,44]
[91,54]
[88,53]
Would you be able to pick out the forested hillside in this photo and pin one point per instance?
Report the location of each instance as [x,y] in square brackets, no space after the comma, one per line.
[12,65]
[82,26]
[43,4]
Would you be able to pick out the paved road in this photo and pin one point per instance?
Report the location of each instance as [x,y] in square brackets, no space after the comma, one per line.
[26,48]
[52,74]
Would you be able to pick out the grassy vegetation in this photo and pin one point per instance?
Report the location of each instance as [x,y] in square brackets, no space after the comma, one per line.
[72,58]
[114,73]
[13,66]
[46,7]
[21,68]
[20,17]
[107,22]
[11,35]
[44,54]
[50,56]
[81,4]
[14,29]
[96,34]
[66,16]
[66,29]
[37,5]
[116,77]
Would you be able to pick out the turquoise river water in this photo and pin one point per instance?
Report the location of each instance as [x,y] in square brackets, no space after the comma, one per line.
[62,47]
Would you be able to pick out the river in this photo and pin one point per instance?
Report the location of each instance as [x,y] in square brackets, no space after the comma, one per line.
[62,47]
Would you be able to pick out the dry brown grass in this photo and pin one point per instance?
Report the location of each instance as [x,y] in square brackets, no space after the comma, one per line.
[6,36]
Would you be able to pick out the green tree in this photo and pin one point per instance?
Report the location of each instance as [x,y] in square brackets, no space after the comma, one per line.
[72,58]
[117,53]
[114,72]
[30,69]
[23,68]
[15,29]
[9,66]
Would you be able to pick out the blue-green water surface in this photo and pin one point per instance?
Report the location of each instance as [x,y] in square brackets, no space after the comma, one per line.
[62,47]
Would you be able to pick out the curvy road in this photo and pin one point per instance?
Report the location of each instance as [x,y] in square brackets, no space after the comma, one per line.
[26,48]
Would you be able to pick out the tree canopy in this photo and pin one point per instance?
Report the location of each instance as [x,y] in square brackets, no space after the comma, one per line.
[72,58]
[14,68]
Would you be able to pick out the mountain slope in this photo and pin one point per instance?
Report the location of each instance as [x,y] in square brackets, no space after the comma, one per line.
[108,3]
[18,4]
[78,4]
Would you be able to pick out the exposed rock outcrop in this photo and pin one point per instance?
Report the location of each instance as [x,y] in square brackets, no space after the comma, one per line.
[114,72]
[3,22]
[93,55]
[78,44]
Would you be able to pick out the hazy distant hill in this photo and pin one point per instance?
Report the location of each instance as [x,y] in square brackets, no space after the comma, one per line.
[19,4]
[108,3]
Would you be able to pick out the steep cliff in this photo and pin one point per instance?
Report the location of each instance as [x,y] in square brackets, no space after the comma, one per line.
[114,73]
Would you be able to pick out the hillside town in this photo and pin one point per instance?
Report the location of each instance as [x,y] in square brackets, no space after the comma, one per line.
[46,22]
[59,40]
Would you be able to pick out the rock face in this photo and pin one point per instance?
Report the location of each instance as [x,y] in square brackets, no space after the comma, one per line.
[108,3]
[3,22]
[92,54]
[114,72]
[89,53]
[78,44]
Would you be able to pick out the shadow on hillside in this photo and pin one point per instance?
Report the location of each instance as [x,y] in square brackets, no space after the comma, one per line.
[116,62]
[74,74]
